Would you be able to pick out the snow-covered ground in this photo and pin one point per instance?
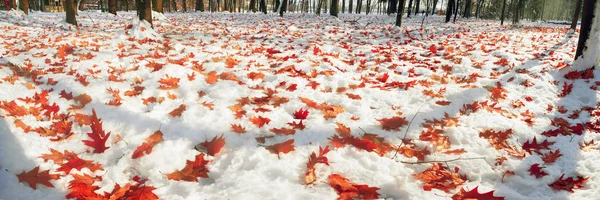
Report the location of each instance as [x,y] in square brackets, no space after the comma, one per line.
[389,102]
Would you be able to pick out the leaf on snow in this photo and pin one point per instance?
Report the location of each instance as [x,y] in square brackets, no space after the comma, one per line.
[34,177]
[192,170]
[98,135]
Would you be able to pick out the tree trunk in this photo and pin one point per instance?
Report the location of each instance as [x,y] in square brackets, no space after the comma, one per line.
[576,15]
[173,5]
[410,4]
[343,6]
[157,6]
[253,5]
[70,10]
[467,12]
[184,5]
[24,6]
[283,7]
[263,6]
[318,9]
[333,10]
[449,10]
[127,5]
[502,15]
[417,7]
[434,7]
[144,10]
[112,7]
[276,5]
[400,13]
[200,5]
[350,6]
[456,8]
[589,6]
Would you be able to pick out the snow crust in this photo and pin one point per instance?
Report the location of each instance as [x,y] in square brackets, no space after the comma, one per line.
[246,170]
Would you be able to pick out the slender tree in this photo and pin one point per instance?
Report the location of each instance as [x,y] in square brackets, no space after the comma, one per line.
[144,10]
[333,10]
[253,5]
[173,5]
[24,6]
[263,6]
[456,8]
[70,11]
[467,12]
[409,8]
[350,6]
[589,6]
[576,15]
[417,7]
[502,15]
[435,2]
[157,6]
[112,7]
[283,7]
[449,10]
[400,13]
[200,5]
[184,5]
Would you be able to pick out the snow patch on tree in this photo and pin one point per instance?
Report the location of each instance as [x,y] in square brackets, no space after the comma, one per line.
[591,56]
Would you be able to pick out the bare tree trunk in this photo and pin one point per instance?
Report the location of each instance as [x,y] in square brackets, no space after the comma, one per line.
[70,10]
[184,5]
[417,7]
[157,6]
[253,5]
[456,8]
[400,13]
[263,6]
[449,10]
[576,15]
[24,6]
[467,12]
[112,7]
[333,11]
[589,6]
[434,7]
[502,15]
[410,4]
[283,7]
[350,6]
[144,10]
[200,5]
[174,5]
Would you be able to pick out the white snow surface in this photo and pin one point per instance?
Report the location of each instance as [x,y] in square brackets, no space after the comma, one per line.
[351,54]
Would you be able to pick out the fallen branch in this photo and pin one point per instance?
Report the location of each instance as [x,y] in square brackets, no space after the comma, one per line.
[444,161]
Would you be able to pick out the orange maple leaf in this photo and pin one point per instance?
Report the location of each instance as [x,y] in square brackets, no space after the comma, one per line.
[191,171]
[313,159]
[212,147]
[393,124]
[146,147]
[348,190]
[260,121]
[34,177]
[284,147]
[177,111]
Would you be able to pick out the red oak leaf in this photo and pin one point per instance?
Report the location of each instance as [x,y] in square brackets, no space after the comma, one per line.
[34,177]
[98,136]
[536,170]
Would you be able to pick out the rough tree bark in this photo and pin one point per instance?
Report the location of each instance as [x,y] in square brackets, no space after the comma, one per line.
[434,7]
[157,6]
[263,6]
[467,12]
[253,5]
[70,10]
[400,13]
[144,10]
[589,6]
[502,15]
[283,7]
[200,5]
[333,10]
[409,8]
[24,6]
[350,6]
[576,15]
[112,7]
[449,10]
[184,5]
[417,7]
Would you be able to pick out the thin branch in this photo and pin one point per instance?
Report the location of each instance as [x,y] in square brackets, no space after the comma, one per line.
[444,161]
[407,128]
